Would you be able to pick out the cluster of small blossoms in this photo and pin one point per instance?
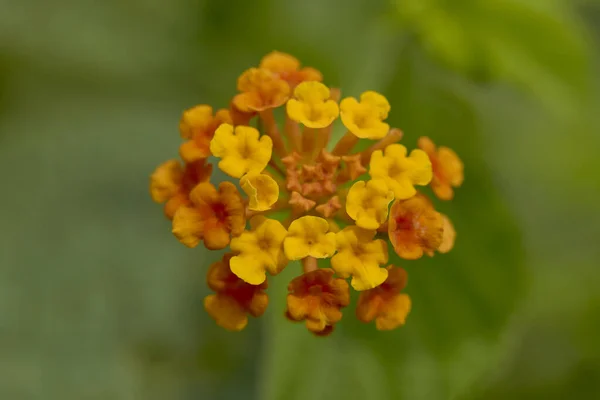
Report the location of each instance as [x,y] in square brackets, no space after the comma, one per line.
[293,199]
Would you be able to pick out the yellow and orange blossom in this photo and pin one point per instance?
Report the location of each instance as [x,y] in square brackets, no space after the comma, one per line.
[317,298]
[386,304]
[234,299]
[447,168]
[213,216]
[287,68]
[415,228]
[287,172]
[171,183]
[198,126]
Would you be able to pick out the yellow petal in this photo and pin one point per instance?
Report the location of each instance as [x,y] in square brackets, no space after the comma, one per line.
[248,268]
[188,226]
[296,248]
[367,276]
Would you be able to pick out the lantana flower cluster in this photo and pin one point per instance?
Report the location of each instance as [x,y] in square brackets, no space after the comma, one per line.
[295,196]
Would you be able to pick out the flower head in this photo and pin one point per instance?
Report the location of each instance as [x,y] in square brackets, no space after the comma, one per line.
[288,68]
[360,256]
[386,304]
[241,150]
[259,250]
[234,299]
[365,118]
[447,168]
[400,172]
[415,227]
[312,106]
[368,202]
[317,298]
[304,203]
[309,237]
[213,216]
[260,90]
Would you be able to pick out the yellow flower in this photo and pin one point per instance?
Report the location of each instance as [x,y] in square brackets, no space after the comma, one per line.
[241,152]
[260,250]
[367,203]
[385,304]
[262,190]
[365,119]
[399,172]
[359,256]
[234,298]
[261,90]
[309,236]
[312,106]
[288,68]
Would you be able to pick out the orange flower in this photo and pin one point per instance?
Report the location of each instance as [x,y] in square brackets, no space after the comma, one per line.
[415,227]
[234,298]
[198,125]
[385,304]
[317,297]
[171,184]
[214,216]
[260,90]
[288,68]
[447,168]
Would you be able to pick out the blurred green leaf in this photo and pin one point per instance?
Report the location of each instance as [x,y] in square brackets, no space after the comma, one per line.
[461,300]
[539,46]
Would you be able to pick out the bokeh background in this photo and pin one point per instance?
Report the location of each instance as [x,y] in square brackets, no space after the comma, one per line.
[99,301]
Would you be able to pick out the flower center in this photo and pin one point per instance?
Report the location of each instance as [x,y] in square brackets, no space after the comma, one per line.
[404,223]
[315,290]
[220,211]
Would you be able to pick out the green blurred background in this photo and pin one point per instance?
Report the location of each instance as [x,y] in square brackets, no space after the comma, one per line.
[99,301]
